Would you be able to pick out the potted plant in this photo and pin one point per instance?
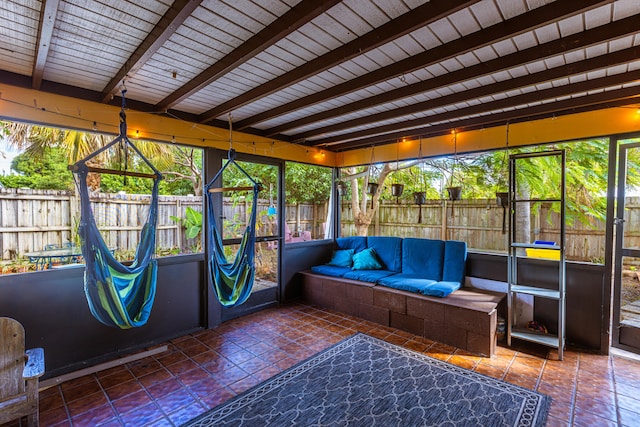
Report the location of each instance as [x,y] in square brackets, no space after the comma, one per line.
[396,190]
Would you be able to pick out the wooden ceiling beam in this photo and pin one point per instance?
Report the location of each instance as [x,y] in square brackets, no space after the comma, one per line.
[620,98]
[404,24]
[168,24]
[48,14]
[540,16]
[580,67]
[597,35]
[413,127]
[296,17]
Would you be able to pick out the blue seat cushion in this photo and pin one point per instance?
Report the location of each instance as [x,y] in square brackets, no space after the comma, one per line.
[442,289]
[371,276]
[419,285]
[389,250]
[330,270]
[406,282]
[423,258]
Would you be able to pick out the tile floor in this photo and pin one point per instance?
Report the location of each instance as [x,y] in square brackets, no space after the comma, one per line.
[202,370]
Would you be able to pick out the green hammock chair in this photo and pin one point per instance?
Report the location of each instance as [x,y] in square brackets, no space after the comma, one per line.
[118,295]
[231,281]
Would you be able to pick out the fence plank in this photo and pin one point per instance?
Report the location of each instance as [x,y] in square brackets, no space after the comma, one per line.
[30,219]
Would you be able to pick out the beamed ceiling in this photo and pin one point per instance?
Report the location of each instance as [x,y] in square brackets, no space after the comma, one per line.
[333,74]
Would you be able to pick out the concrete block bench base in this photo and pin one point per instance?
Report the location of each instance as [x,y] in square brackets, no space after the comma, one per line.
[465,319]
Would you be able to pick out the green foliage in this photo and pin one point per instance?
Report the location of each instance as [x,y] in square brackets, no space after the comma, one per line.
[307,183]
[192,222]
[48,173]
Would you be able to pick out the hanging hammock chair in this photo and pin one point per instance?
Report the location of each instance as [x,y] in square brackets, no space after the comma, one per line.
[232,281]
[118,295]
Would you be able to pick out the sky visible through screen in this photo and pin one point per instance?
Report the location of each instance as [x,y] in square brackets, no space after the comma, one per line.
[7,154]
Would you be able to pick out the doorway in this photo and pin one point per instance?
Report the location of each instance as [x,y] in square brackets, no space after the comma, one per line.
[626,295]
[233,210]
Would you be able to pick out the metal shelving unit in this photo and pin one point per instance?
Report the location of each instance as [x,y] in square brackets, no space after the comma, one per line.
[518,252]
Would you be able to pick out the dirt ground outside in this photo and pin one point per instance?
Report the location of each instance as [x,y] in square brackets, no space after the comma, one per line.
[630,287]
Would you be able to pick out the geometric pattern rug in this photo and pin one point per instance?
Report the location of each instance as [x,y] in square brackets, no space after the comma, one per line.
[363,381]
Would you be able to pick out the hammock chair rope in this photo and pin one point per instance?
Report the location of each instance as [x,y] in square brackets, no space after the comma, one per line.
[232,281]
[118,295]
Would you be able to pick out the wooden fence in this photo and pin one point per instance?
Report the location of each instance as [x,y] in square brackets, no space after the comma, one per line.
[31,219]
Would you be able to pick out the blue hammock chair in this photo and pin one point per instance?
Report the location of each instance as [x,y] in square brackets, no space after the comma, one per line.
[118,295]
[231,281]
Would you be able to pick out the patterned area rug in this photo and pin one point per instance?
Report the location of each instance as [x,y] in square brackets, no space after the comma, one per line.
[363,381]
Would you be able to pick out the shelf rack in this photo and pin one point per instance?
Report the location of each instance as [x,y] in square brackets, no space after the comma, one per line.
[518,252]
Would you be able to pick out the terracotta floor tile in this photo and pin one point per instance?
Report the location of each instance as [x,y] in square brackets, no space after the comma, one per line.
[88,402]
[603,410]
[555,422]
[195,349]
[587,419]
[142,416]
[230,376]
[50,399]
[561,411]
[205,357]
[85,380]
[462,362]
[521,380]
[193,376]
[122,390]
[155,377]
[490,371]
[144,366]
[185,414]
[53,416]
[629,403]
[558,394]
[110,371]
[131,402]
[80,390]
[121,376]
[629,418]
[254,365]
[175,401]
[198,372]
[630,390]
[244,384]
[171,358]
[205,387]
[181,367]
[160,389]
[94,417]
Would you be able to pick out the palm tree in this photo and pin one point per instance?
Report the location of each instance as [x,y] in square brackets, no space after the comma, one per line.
[34,140]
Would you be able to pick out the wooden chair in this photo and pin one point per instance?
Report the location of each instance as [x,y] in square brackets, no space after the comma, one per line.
[19,374]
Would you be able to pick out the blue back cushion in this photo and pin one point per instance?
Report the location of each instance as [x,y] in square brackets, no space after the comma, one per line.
[423,258]
[455,258]
[357,243]
[389,251]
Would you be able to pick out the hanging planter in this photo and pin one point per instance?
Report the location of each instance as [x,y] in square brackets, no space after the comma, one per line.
[396,190]
[455,193]
[420,198]
[502,198]
[372,187]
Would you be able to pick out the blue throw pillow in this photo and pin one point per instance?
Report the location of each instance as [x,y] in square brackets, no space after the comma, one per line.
[366,260]
[342,258]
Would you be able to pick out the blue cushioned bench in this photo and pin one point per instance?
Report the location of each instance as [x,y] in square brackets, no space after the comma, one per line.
[415,285]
